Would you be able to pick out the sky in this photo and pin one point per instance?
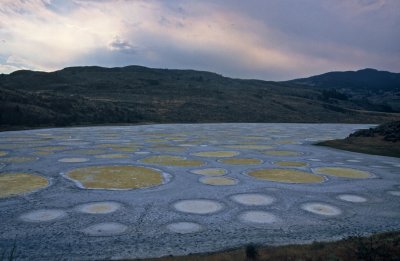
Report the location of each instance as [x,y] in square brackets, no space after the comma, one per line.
[259,39]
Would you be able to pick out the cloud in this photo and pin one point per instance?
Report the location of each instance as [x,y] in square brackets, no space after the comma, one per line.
[271,40]
[5,68]
[120,45]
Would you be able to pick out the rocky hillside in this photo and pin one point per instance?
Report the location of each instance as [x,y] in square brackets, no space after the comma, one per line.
[389,132]
[135,94]
[373,89]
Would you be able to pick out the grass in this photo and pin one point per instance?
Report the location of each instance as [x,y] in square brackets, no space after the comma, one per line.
[369,145]
[379,247]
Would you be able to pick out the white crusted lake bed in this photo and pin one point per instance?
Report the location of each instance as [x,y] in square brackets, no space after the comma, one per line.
[174,189]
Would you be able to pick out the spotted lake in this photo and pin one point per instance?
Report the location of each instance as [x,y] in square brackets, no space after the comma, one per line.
[153,190]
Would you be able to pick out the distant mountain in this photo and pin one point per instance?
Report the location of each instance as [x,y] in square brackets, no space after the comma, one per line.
[366,79]
[135,94]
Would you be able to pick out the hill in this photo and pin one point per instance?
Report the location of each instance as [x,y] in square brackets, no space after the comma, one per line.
[367,86]
[366,79]
[135,94]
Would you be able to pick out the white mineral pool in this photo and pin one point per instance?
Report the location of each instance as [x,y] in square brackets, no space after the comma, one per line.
[210,171]
[43,215]
[253,199]
[321,209]
[184,227]
[352,198]
[198,206]
[105,229]
[99,207]
[258,217]
[73,160]
[219,181]
[394,192]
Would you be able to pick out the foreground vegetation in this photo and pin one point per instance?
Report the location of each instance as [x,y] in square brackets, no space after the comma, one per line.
[384,246]
[134,94]
[383,140]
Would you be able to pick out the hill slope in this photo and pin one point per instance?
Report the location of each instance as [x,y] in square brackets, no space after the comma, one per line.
[366,79]
[379,90]
[133,94]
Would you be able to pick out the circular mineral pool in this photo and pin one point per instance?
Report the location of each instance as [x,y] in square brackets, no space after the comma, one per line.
[184,227]
[394,192]
[168,148]
[249,147]
[73,160]
[105,229]
[172,161]
[290,163]
[342,172]
[43,215]
[156,140]
[352,198]
[75,142]
[112,156]
[285,175]
[198,206]
[13,184]
[284,142]
[42,153]
[51,148]
[88,151]
[219,181]
[4,146]
[125,149]
[210,171]
[142,153]
[282,153]
[116,177]
[316,160]
[18,159]
[258,217]
[241,161]
[216,154]
[99,207]
[253,199]
[321,209]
